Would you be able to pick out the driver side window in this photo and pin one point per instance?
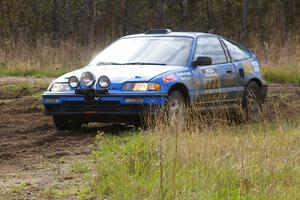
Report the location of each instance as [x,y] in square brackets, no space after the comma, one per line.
[210,47]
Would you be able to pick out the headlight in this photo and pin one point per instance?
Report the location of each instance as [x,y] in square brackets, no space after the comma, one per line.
[73,81]
[104,81]
[141,86]
[59,87]
[87,79]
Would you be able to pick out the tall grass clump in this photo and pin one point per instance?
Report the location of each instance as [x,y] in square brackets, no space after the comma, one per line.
[44,59]
[280,58]
[202,158]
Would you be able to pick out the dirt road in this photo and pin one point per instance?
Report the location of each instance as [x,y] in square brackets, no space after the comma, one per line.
[36,160]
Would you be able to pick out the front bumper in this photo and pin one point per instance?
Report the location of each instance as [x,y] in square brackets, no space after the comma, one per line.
[110,107]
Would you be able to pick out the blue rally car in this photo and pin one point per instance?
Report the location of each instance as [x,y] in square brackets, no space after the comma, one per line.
[139,73]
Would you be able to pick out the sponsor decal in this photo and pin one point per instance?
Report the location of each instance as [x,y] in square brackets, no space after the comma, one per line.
[255,66]
[185,76]
[211,77]
[169,78]
[183,73]
[223,90]
[210,72]
[248,69]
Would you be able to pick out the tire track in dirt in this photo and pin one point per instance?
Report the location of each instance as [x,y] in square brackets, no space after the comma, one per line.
[32,152]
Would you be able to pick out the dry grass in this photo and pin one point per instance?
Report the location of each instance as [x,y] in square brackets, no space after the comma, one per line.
[278,52]
[280,58]
[203,159]
[18,59]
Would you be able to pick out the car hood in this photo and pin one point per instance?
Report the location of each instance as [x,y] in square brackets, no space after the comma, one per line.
[123,73]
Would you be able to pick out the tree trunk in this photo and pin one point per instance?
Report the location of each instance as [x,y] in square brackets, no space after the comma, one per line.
[209,15]
[55,23]
[244,19]
[91,23]
[68,28]
[159,16]
[124,17]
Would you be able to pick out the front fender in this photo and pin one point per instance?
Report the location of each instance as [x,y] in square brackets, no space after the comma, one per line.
[170,79]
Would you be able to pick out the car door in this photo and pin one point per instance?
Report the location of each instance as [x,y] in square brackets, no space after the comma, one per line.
[240,58]
[215,82]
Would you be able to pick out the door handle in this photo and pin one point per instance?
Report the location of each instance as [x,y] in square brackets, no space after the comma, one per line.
[229,70]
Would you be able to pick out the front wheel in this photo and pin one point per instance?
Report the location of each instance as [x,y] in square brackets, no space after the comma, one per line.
[63,123]
[176,109]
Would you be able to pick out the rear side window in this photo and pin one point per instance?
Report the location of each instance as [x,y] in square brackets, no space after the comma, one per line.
[237,53]
[211,47]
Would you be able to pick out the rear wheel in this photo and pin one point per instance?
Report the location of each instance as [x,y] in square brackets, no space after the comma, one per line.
[252,104]
[63,123]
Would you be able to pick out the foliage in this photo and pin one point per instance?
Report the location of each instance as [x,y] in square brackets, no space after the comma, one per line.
[33,72]
[227,162]
[104,20]
[49,38]
[284,74]
[58,193]
[19,188]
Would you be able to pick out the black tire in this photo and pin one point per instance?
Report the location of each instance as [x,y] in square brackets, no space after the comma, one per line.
[176,108]
[141,123]
[252,102]
[63,123]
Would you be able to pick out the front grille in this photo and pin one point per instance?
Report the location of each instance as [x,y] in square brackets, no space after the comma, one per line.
[111,106]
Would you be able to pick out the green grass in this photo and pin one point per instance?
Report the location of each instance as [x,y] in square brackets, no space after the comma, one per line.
[285,74]
[18,189]
[59,193]
[32,89]
[81,168]
[16,88]
[255,161]
[38,73]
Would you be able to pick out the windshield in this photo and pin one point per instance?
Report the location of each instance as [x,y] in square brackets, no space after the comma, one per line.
[146,50]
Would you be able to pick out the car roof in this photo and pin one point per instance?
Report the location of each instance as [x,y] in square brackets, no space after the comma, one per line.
[171,34]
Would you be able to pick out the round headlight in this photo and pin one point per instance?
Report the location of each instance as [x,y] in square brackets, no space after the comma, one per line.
[104,81]
[73,81]
[87,79]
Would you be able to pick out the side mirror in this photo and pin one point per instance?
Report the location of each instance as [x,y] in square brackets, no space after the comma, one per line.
[202,61]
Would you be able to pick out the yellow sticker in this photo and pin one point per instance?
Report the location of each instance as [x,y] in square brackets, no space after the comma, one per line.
[248,69]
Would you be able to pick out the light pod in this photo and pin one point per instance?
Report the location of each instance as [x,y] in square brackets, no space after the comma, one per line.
[87,79]
[104,81]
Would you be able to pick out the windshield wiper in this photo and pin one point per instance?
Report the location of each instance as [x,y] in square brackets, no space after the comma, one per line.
[108,63]
[143,63]
[130,63]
